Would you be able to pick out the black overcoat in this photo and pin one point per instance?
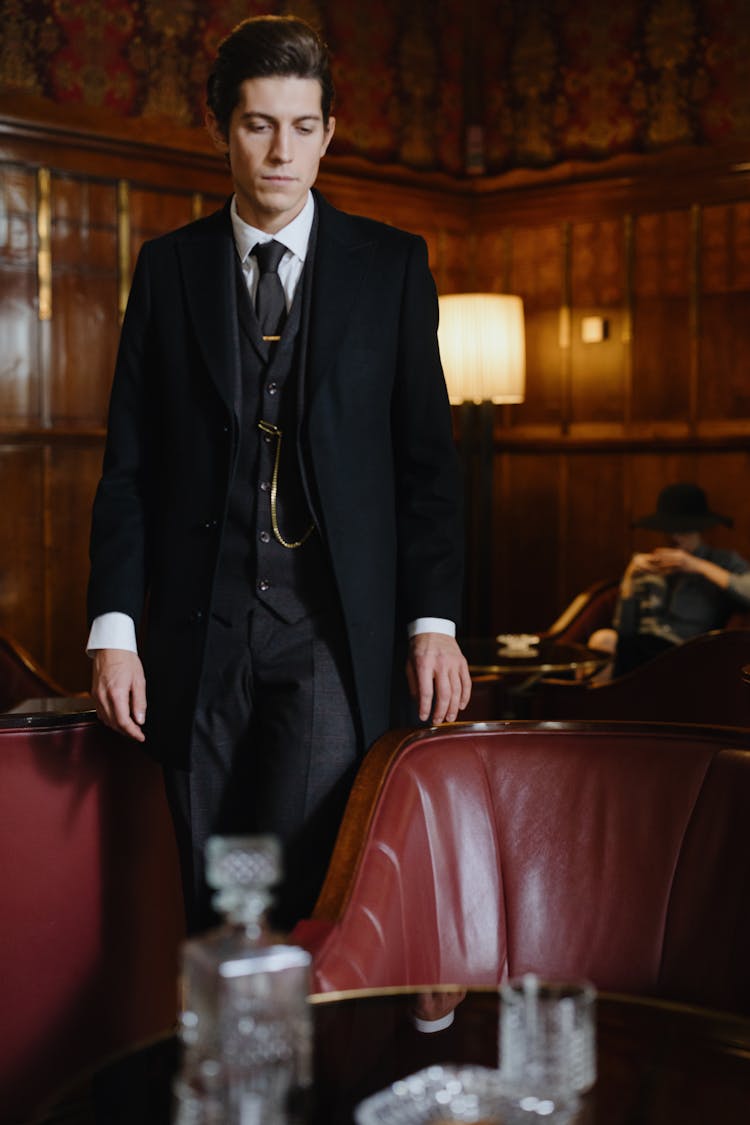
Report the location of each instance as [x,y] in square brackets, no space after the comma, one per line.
[375,445]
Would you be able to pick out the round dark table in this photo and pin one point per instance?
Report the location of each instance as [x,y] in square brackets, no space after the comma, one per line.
[486,655]
[517,673]
[659,1063]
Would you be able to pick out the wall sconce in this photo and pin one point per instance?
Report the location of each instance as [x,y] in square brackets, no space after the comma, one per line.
[483,350]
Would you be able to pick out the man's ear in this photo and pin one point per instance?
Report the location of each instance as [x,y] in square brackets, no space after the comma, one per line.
[215,132]
[328,134]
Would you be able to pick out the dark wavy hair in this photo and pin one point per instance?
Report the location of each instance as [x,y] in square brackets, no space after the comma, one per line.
[267,47]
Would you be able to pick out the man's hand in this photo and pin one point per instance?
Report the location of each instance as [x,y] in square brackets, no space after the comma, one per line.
[438,676]
[640,562]
[119,690]
[668,559]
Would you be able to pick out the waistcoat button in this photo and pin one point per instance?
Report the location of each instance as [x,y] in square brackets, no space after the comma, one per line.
[264,585]
[265,537]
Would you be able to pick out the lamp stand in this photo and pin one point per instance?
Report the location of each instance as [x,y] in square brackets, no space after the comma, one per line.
[477,457]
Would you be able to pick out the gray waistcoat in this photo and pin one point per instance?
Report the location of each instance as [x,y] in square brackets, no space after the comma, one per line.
[253,564]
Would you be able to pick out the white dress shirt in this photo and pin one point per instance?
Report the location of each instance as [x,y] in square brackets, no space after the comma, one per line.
[117,630]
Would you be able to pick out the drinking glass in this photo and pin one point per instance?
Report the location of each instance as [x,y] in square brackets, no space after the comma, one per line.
[547,1046]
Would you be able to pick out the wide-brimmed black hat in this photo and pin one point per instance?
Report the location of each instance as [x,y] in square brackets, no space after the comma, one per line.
[682,507]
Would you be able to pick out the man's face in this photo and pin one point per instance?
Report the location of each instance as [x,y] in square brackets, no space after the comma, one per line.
[686,540]
[275,144]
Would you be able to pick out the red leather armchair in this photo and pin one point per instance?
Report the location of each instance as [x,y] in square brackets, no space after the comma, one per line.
[617,852]
[590,610]
[699,681]
[21,677]
[91,905]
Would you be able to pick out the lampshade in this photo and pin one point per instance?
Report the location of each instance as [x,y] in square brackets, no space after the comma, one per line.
[482,346]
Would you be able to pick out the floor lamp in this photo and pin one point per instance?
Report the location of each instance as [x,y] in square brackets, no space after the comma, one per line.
[482,345]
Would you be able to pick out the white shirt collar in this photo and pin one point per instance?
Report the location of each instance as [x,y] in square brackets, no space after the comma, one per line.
[295,235]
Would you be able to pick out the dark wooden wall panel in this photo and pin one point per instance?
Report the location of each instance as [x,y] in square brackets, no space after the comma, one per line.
[20,389]
[72,475]
[724,389]
[537,275]
[593,535]
[154,212]
[598,371]
[726,477]
[661,361]
[84,299]
[662,255]
[527,531]
[23,605]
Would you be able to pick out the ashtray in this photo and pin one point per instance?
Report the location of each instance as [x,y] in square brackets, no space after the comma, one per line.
[517,644]
[438,1095]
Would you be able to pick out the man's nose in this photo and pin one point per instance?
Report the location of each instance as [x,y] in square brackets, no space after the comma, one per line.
[281,150]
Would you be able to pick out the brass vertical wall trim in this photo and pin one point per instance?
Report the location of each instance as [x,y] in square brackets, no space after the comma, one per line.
[565,581]
[470,276]
[197,204]
[441,269]
[123,245]
[44,242]
[694,313]
[507,260]
[49,560]
[566,316]
[506,411]
[628,316]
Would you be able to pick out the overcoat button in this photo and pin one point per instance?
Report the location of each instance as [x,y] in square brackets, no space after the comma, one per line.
[264,585]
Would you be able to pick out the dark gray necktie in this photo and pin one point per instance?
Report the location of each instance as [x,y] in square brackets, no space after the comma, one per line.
[270,303]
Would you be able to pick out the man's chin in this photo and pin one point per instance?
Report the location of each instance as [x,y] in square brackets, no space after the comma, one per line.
[280,202]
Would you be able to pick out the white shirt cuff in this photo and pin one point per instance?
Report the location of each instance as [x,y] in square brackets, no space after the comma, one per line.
[112,630]
[432,625]
[428,1026]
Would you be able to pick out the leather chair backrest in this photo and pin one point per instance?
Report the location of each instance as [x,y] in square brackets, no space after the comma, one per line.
[21,677]
[699,681]
[590,610]
[613,852]
[91,905]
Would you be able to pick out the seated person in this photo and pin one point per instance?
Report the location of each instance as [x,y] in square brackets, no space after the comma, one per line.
[678,591]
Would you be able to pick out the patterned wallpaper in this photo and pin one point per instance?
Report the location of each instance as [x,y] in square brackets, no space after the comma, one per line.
[525,82]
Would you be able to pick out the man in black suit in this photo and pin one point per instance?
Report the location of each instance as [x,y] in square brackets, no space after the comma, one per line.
[279,486]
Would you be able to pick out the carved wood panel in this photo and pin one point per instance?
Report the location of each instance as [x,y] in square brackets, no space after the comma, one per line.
[20,386]
[661,317]
[662,258]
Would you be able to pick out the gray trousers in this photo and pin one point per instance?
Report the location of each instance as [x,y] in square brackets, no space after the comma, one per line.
[275,750]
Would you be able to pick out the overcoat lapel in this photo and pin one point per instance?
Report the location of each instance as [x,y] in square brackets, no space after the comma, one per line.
[342,259]
[207,259]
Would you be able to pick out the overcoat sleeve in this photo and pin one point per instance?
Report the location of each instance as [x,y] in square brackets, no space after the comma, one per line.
[122,506]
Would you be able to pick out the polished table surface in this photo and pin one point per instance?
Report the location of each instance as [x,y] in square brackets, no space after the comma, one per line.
[487,655]
[659,1063]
